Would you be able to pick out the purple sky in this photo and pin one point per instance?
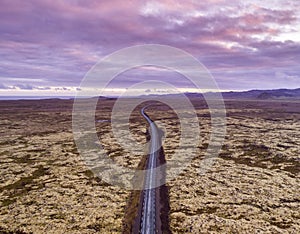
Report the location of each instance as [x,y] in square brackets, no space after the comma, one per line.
[47,46]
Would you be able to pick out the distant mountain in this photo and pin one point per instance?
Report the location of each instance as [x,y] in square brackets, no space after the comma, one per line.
[264,94]
[251,94]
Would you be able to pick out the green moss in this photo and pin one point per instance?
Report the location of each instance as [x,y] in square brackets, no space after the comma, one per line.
[59,215]
[6,231]
[95,226]
[88,173]
[7,202]
[20,188]
[24,159]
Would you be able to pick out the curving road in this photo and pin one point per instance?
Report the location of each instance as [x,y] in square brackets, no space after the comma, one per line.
[148,218]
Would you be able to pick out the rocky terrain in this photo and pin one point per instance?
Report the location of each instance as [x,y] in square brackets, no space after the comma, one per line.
[45,186]
[253,186]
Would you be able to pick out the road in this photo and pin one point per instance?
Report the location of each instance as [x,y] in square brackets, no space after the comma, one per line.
[148,217]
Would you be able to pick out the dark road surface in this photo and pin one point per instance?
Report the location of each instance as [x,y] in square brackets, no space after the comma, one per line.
[148,217]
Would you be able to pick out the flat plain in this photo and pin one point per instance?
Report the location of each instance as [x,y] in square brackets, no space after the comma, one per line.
[253,186]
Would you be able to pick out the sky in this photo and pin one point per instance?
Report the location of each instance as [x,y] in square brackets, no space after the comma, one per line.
[47,46]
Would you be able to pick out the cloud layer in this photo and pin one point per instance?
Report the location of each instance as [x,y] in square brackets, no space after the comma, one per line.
[245,44]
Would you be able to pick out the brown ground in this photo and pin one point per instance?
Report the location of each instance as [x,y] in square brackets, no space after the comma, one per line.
[254,185]
[252,188]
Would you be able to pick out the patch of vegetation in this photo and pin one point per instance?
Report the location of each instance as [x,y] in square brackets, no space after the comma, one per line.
[24,159]
[8,142]
[256,150]
[36,150]
[206,210]
[59,215]
[294,169]
[280,224]
[7,202]
[20,187]
[6,231]
[214,228]
[260,156]
[88,173]
[5,152]
[95,226]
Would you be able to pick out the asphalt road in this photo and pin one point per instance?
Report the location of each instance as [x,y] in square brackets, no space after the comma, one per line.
[148,218]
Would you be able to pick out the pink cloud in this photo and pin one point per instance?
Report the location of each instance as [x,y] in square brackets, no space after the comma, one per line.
[61,40]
